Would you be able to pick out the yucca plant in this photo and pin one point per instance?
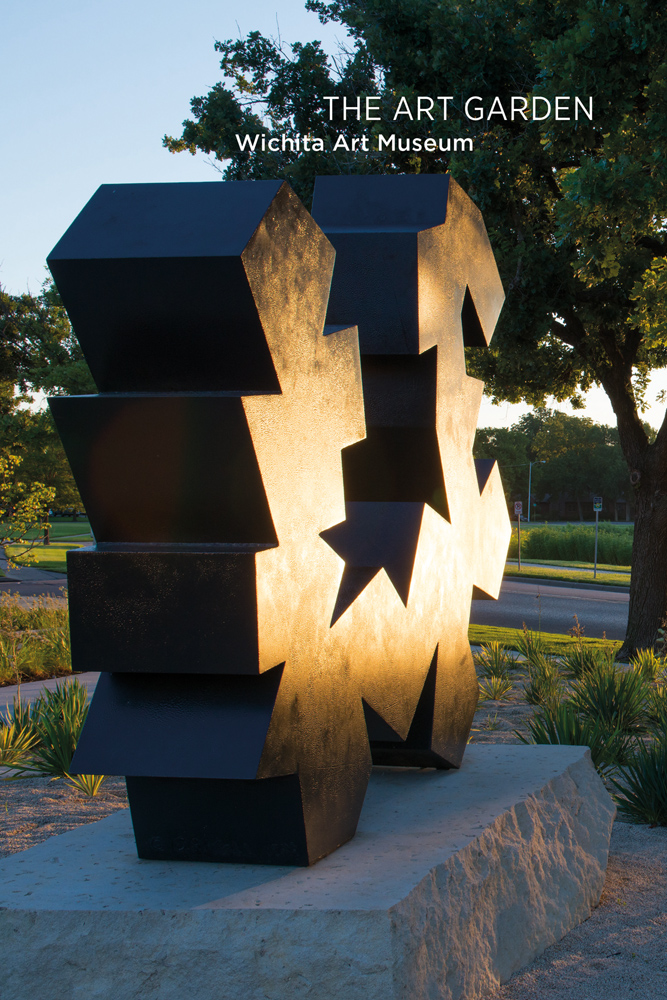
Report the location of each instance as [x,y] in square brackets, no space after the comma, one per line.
[545,684]
[57,719]
[531,645]
[616,697]
[656,709]
[16,745]
[89,784]
[641,794]
[494,659]
[563,725]
[646,662]
[581,660]
[494,688]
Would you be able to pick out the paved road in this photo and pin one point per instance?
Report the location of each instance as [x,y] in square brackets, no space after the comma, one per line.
[551,609]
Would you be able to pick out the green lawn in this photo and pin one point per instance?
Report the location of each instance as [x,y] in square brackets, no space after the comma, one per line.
[50,557]
[572,565]
[569,576]
[555,644]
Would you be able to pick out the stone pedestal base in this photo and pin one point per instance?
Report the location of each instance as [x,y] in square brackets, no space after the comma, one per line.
[454,880]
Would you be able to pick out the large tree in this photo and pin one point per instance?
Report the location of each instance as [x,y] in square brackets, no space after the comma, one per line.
[575,209]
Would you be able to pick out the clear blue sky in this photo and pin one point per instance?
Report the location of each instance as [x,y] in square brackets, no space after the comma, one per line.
[89,87]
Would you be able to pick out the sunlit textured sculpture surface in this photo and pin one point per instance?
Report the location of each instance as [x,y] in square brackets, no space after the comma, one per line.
[289,522]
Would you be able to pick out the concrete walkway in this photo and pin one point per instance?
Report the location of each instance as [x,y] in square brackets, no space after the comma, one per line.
[31,690]
[31,581]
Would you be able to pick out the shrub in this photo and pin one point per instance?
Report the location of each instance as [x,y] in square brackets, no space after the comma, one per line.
[581,659]
[494,659]
[646,662]
[571,543]
[34,639]
[642,786]
[616,697]
[545,685]
[494,688]
[531,645]
[51,730]
[562,724]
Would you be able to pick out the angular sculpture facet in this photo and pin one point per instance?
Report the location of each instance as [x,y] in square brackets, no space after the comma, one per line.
[289,524]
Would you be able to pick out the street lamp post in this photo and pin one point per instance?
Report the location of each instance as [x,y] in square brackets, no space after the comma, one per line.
[530,473]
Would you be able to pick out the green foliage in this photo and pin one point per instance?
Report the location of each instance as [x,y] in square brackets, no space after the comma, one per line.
[34,639]
[562,724]
[59,719]
[23,506]
[42,741]
[613,696]
[545,684]
[531,645]
[32,437]
[494,687]
[575,209]
[642,786]
[16,742]
[580,660]
[647,663]
[576,543]
[570,455]
[494,659]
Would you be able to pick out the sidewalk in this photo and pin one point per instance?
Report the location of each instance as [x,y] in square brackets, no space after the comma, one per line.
[31,690]
[29,581]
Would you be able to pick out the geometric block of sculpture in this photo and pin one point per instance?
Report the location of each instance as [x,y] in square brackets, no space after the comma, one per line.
[287,535]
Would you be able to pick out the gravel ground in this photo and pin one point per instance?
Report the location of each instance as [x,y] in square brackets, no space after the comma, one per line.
[618,954]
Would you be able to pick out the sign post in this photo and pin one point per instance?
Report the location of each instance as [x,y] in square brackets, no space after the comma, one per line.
[597,507]
[518,508]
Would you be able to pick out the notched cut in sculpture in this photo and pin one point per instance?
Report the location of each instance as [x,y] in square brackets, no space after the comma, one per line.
[415,750]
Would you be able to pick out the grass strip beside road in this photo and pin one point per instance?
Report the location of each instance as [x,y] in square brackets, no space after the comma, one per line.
[544,572]
[555,644]
[571,565]
[51,557]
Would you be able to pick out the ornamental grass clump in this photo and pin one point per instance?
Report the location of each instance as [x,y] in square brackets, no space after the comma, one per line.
[545,686]
[563,725]
[641,788]
[494,659]
[34,639]
[581,660]
[494,688]
[648,663]
[41,740]
[617,698]
[531,644]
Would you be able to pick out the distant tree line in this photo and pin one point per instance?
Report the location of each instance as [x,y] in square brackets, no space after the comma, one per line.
[574,460]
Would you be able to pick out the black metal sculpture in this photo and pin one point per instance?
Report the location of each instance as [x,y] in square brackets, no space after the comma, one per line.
[235,601]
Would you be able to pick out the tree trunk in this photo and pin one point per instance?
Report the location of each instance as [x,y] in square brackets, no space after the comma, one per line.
[648,588]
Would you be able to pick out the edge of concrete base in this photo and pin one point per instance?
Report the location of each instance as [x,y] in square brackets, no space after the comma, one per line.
[533,875]
[488,908]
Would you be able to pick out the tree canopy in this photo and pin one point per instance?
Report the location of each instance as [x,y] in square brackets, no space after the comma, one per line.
[38,353]
[570,455]
[575,209]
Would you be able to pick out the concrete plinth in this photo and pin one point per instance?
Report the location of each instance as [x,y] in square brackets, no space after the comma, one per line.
[454,881]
